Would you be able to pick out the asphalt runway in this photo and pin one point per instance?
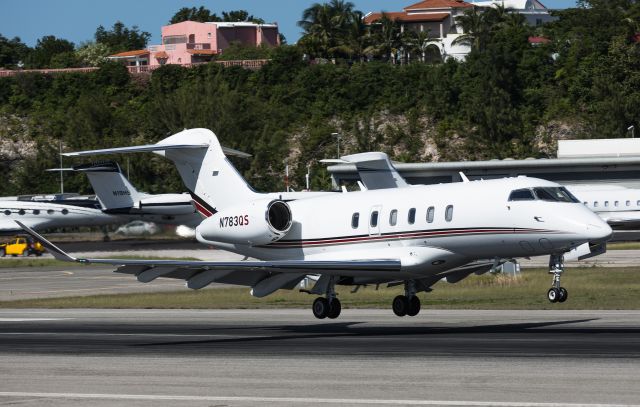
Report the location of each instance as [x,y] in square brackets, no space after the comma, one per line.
[288,358]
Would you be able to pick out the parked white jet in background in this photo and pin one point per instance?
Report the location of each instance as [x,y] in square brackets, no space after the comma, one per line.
[116,202]
[117,196]
[52,212]
[617,205]
[412,236]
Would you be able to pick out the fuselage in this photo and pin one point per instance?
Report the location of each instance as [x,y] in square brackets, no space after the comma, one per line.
[432,227]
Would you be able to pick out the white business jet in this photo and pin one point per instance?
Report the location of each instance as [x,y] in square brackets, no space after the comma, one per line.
[49,212]
[412,236]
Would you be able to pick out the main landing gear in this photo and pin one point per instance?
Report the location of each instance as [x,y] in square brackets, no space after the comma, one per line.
[407,304]
[556,267]
[328,307]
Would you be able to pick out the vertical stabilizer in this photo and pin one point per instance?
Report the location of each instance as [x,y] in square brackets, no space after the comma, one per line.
[112,188]
[213,181]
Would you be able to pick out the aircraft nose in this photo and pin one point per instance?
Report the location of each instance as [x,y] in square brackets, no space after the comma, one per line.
[600,232]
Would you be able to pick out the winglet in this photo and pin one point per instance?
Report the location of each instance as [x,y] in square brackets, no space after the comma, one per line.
[51,248]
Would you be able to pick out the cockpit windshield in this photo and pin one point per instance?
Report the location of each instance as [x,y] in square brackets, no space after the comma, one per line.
[549,194]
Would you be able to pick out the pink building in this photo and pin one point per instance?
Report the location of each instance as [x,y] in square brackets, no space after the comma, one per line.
[191,42]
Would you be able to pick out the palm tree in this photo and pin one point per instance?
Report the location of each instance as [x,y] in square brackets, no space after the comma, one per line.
[318,26]
[326,26]
[471,23]
[387,38]
[355,40]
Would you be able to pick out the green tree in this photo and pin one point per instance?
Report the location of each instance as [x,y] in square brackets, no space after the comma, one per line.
[93,53]
[201,14]
[12,52]
[46,49]
[120,38]
[240,16]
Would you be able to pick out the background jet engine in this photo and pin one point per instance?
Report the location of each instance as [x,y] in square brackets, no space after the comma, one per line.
[256,223]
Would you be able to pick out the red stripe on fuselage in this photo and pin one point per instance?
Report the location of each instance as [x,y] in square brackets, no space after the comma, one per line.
[401,235]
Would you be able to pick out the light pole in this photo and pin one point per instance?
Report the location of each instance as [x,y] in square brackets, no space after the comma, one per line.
[632,129]
[337,136]
[61,171]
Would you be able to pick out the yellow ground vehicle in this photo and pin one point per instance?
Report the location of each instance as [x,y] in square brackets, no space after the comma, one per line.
[21,246]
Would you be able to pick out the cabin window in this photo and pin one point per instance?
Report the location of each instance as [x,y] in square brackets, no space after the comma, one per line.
[374,219]
[595,204]
[21,212]
[430,213]
[355,220]
[521,195]
[65,211]
[7,212]
[638,203]
[393,217]
[616,204]
[36,211]
[448,213]
[412,216]
[628,203]
[586,203]
[606,204]
[50,211]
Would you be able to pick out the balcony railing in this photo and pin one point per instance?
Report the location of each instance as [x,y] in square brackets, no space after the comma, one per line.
[198,45]
[13,72]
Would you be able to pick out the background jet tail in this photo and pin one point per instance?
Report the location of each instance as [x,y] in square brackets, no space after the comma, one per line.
[112,188]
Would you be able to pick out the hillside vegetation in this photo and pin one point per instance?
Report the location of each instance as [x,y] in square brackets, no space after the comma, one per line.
[508,99]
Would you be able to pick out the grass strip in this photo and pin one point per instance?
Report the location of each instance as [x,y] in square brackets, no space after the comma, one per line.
[589,288]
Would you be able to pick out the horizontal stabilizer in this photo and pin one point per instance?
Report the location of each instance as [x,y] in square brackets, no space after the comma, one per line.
[149,148]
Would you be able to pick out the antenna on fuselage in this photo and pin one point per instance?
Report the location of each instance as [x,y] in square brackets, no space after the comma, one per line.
[464,177]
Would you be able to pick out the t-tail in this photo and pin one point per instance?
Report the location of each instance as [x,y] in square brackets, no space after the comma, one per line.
[206,171]
[112,188]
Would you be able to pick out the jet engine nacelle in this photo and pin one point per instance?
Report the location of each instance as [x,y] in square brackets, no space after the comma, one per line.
[256,223]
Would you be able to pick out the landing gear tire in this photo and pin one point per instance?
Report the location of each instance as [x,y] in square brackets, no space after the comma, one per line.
[334,308]
[320,308]
[563,294]
[414,306]
[553,295]
[400,305]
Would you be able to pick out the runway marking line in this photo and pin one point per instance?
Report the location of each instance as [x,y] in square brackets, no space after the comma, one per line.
[32,319]
[302,400]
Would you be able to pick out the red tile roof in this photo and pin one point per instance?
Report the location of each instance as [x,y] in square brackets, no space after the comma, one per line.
[428,4]
[539,40]
[403,17]
[131,53]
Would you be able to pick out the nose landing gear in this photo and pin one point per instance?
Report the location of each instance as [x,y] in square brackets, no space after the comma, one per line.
[556,267]
[408,304]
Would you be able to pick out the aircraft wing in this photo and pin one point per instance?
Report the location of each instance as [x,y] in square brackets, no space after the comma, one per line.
[264,277]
